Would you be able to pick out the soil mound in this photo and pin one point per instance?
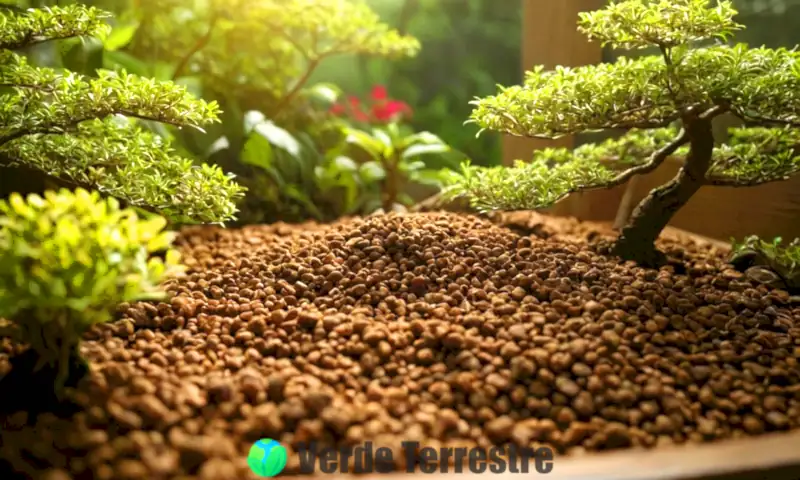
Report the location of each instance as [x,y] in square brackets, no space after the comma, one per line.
[442,328]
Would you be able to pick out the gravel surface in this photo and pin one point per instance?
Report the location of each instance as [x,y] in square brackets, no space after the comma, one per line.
[442,328]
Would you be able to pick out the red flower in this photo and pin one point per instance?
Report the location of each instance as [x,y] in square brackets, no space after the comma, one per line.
[381,109]
[391,110]
[360,116]
[338,109]
[379,93]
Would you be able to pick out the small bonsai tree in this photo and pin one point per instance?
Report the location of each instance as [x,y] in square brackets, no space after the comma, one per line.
[666,102]
[773,263]
[262,56]
[66,261]
[78,129]
[261,52]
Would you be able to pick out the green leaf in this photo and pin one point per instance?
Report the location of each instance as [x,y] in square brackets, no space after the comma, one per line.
[278,137]
[372,146]
[120,36]
[421,138]
[345,164]
[257,152]
[117,60]
[411,166]
[324,94]
[435,178]
[420,150]
[386,139]
[371,172]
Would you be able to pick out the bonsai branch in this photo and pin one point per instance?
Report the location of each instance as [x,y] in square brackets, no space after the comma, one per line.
[765,121]
[30,86]
[519,130]
[69,127]
[719,181]
[199,45]
[33,40]
[313,63]
[637,239]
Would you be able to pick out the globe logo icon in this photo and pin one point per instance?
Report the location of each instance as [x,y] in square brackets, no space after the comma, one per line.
[267,458]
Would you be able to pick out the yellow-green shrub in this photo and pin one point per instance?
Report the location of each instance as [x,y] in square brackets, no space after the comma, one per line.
[67,259]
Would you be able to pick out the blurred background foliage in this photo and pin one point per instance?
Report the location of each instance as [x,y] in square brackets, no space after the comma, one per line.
[295,166]
[468,47]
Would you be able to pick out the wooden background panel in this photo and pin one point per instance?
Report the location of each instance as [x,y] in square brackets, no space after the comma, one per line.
[768,457]
[550,38]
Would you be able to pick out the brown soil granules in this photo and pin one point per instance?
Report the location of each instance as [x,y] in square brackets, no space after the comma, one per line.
[441,328]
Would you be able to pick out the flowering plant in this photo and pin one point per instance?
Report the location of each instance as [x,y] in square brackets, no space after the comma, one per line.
[379,109]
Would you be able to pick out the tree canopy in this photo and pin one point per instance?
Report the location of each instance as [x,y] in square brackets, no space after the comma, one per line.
[82,129]
[266,46]
[647,96]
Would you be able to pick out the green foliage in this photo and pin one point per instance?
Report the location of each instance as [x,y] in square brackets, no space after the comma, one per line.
[396,157]
[555,173]
[781,260]
[635,24]
[65,124]
[349,178]
[268,47]
[258,56]
[67,260]
[753,156]
[469,47]
[757,84]
[681,84]
[36,26]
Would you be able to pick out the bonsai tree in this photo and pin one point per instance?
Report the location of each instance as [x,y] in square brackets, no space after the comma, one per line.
[79,131]
[66,261]
[260,57]
[261,53]
[666,102]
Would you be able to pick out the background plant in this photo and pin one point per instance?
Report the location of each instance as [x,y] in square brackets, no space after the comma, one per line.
[258,56]
[782,260]
[469,47]
[397,156]
[76,128]
[686,84]
[67,260]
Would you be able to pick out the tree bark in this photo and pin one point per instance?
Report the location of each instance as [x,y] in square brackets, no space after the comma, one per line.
[637,239]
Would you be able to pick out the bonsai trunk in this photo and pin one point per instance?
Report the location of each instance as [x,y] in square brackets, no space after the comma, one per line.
[637,239]
[391,185]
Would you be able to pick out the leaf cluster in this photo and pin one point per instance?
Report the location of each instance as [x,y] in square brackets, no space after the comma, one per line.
[753,156]
[758,84]
[264,46]
[634,24]
[68,258]
[781,259]
[646,96]
[18,30]
[351,174]
[43,115]
[396,157]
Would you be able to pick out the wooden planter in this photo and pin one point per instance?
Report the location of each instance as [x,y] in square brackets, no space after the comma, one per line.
[769,457]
